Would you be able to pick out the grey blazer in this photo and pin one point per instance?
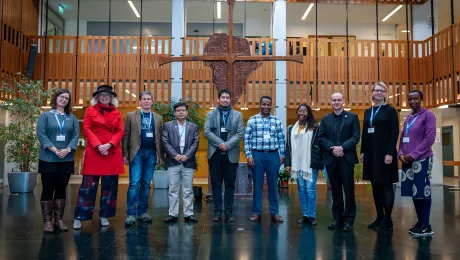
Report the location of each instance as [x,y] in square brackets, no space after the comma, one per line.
[171,143]
[234,136]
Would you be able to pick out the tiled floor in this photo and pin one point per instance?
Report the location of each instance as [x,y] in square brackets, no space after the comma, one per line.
[21,235]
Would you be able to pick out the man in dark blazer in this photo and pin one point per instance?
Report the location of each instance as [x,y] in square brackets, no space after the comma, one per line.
[224,130]
[339,134]
[180,140]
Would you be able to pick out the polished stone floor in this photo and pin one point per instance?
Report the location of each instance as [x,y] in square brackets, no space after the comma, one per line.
[21,235]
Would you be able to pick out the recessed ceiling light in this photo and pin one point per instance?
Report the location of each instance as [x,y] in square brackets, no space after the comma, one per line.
[134,8]
[307,11]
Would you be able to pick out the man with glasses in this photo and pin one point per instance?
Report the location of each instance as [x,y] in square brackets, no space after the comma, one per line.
[142,149]
[180,140]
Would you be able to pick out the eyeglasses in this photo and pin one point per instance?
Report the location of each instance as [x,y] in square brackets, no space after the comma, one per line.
[63,97]
[180,110]
[379,90]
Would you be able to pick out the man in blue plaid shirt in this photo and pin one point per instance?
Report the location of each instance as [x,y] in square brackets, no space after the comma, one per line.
[264,147]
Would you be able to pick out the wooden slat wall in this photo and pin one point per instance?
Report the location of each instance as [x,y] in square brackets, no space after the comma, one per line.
[19,25]
[363,70]
[197,78]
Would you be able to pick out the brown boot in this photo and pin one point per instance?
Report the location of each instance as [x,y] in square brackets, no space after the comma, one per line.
[59,206]
[47,213]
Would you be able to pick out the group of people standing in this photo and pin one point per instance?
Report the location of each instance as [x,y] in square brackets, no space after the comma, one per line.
[306,148]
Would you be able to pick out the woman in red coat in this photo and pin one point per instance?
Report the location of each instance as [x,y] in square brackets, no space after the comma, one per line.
[103,127]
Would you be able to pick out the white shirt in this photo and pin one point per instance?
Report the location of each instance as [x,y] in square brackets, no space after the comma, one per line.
[182,135]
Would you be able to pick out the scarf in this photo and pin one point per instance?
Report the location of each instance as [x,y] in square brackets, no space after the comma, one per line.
[215,117]
[104,109]
[301,152]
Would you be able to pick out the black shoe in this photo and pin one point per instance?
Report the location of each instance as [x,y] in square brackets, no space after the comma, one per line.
[229,217]
[347,228]
[191,219]
[170,219]
[375,224]
[423,232]
[312,221]
[387,224]
[415,227]
[216,216]
[335,224]
[303,220]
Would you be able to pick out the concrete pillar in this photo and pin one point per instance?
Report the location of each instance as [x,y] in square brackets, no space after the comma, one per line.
[279,33]
[178,32]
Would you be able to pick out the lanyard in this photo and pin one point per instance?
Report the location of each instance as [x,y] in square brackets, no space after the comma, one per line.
[150,122]
[181,133]
[61,126]
[372,112]
[410,124]
[225,117]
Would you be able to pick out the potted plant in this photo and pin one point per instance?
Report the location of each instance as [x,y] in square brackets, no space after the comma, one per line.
[196,115]
[283,178]
[26,97]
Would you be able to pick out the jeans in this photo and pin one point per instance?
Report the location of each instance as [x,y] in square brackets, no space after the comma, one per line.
[265,163]
[140,175]
[307,195]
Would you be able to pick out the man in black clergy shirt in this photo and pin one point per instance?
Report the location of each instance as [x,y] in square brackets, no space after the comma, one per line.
[339,134]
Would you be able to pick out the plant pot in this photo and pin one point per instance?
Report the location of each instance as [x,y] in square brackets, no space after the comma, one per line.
[21,182]
[160,180]
[284,183]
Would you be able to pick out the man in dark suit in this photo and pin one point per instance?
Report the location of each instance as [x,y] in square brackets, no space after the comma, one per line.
[180,141]
[339,134]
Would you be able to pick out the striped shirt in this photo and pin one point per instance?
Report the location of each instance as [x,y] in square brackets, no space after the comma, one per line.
[256,135]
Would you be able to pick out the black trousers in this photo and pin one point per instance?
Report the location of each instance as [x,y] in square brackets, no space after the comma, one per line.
[384,197]
[221,169]
[54,185]
[341,176]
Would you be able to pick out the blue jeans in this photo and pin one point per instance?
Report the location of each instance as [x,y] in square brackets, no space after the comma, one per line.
[140,175]
[307,195]
[265,163]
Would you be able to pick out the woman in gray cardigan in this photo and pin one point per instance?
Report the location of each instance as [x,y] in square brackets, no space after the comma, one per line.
[58,134]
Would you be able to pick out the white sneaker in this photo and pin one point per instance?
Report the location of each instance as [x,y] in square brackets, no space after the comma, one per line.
[104,222]
[76,224]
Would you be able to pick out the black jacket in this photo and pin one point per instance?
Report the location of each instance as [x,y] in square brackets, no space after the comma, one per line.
[348,136]
[316,158]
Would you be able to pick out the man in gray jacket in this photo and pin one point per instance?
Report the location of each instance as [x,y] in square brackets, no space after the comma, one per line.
[224,130]
[180,141]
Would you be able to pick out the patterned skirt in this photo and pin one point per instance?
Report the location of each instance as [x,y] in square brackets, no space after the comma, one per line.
[415,179]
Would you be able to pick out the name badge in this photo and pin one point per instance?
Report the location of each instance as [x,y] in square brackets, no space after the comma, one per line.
[405,139]
[370,130]
[223,130]
[149,134]
[60,138]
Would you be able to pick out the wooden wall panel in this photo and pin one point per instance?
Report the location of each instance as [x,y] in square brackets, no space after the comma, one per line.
[155,78]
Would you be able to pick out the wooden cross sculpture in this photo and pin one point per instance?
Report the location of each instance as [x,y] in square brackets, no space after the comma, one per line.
[231,60]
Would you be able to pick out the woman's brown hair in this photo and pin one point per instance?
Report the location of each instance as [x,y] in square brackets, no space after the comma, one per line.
[56,95]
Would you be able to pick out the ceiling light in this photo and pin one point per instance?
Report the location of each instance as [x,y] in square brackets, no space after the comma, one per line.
[134,8]
[219,10]
[444,106]
[307,11]
[392,13]
[405,31]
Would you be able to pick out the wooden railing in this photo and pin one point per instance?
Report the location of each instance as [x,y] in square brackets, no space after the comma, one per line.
[81,65]
[397,63]
[197,78]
